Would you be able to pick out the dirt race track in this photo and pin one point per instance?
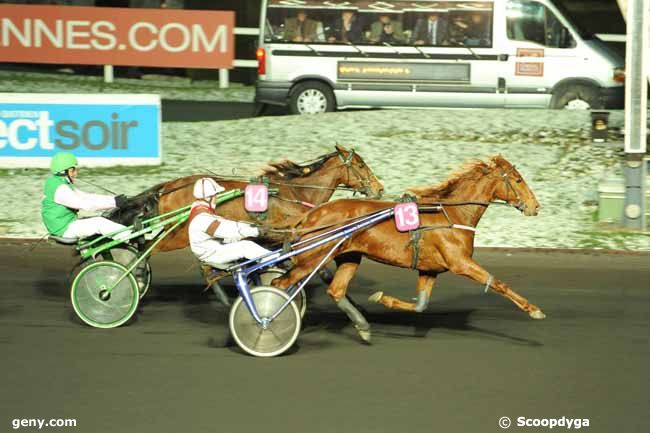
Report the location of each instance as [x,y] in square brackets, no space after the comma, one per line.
[461,366]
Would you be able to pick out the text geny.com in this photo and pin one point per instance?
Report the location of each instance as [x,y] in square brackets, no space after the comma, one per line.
[40,423]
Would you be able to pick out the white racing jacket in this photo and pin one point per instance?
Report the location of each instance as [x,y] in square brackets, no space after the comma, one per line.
[204,242]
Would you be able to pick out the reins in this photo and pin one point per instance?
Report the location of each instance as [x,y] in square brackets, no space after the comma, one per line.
[347,162]
[431,207]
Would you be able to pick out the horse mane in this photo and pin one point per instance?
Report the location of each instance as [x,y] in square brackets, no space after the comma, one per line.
[287,169]
[471,170]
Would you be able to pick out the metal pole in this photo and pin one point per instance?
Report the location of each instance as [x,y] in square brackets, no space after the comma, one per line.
[636,102]
[108,73]
[223,78]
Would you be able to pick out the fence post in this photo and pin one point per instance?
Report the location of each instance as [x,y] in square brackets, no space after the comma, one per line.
[108,73]
[223,78]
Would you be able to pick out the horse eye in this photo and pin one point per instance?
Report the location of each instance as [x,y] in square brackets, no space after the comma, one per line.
[519,180]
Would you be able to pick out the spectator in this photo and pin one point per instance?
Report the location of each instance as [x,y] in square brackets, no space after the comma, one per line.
[478,32]
[386,30]
[300,28]
[346,28]
[431,30]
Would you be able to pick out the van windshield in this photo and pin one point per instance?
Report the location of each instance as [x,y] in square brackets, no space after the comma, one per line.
[582,31]
[368,22]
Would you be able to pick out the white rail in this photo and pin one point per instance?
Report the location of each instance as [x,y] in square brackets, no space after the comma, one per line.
[223,73]
[254,31]
[608,37]
[238,63]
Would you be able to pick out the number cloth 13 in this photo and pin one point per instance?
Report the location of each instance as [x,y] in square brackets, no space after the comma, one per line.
[407,217]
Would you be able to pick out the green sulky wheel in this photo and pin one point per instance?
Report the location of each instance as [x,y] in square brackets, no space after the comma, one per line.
[94,304]
[279,334]
[125,256]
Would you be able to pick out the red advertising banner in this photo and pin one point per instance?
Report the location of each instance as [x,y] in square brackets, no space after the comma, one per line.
[116,36]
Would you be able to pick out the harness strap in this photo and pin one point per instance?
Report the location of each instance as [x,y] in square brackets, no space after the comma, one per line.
[463,227]
[416,236]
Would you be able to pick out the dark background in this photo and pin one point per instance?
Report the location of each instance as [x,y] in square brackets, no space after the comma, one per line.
[596,16]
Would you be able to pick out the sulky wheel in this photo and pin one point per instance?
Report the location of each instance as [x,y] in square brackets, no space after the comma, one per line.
[125,256]
[278,336]
[94,304]
[265,278]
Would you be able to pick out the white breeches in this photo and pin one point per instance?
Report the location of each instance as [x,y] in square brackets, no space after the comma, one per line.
[84,227]
[223,254]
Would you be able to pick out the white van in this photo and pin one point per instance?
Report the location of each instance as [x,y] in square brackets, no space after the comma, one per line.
[321,55]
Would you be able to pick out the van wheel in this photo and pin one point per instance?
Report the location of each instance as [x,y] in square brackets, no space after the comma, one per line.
[311,97]
[577,97]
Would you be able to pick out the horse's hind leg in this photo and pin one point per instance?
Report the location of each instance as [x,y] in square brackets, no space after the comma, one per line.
[423,290]
[347,267]
[476,272]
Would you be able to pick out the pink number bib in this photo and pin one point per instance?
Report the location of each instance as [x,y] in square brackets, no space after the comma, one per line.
[256,198]
[407,217]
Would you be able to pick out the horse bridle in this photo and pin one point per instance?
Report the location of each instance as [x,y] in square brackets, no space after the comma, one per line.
[365,182]
[520,206]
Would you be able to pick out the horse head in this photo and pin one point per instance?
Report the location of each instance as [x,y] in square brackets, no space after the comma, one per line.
[512,188]
[143,205]
[357,174]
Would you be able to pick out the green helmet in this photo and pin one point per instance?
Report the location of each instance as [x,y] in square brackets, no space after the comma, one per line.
[62,161]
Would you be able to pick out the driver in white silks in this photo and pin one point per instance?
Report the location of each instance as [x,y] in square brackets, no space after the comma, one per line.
[215,240]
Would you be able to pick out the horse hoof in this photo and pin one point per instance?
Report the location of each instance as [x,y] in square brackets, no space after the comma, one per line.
[376,297]
[365,335]
[537,314]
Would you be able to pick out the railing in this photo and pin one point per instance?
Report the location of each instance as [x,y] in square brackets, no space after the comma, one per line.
[223,73]
[254,31]
[608,37]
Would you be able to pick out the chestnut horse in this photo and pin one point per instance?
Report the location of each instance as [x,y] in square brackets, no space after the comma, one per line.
[441,244]
[301,187]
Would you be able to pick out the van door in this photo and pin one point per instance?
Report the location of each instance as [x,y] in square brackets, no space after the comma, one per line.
[541,52]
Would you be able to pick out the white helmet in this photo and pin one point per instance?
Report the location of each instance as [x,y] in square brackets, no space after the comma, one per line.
[205,188]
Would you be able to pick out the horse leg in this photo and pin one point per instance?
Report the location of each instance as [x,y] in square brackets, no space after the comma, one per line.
[423,290]
[337,290]
[469,268]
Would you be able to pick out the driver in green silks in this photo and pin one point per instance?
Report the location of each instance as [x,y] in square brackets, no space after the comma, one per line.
[63,200]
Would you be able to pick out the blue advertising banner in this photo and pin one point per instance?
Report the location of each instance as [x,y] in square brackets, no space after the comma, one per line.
[101,130]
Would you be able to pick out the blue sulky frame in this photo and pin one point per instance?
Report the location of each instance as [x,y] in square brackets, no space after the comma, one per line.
[242,271]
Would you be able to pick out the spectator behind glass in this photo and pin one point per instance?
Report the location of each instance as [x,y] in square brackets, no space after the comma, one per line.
[386,30]
[432,30]
[346,28]
[478,32]
[300,28]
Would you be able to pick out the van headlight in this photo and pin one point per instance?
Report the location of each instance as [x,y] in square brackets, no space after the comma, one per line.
[619,75]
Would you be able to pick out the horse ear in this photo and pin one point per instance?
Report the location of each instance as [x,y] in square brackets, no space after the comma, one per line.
[341,149]
[269,169]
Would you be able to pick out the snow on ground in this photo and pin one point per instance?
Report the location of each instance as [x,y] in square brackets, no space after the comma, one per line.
[168,87]
[551,149]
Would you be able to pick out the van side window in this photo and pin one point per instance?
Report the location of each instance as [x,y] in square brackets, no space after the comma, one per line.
[471,28]
[531,21]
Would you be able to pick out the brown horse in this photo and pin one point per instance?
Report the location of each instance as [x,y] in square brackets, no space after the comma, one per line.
[301,187]
[439,246]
